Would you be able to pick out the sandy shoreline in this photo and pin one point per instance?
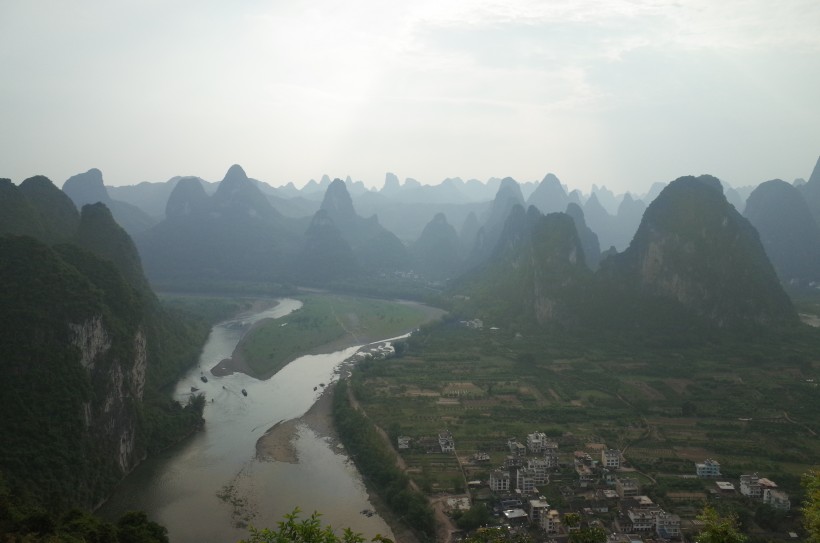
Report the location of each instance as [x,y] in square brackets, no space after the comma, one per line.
[277,444]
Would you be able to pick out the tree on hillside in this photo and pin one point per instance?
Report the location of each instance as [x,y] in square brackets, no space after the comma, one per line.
[811,505]
[718,529]
[309,530]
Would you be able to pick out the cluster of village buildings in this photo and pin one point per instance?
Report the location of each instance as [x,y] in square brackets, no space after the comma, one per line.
[752,486]
[529,465]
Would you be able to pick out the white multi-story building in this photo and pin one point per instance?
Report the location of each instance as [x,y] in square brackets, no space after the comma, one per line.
[551,453]
[525,480]
[642,521]
[538,508]
[611,458]
[446,442]
[500,481]
[777,499]
[708,469]
[516,448]
[539,469]
[667,525]
[551,522]
[536,441]
[626,487]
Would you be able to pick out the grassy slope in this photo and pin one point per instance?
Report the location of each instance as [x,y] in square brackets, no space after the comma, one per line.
[326,319]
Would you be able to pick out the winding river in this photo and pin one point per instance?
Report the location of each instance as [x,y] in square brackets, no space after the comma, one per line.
[210,486]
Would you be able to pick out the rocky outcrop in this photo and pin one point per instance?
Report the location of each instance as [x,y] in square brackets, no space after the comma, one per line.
[91,339]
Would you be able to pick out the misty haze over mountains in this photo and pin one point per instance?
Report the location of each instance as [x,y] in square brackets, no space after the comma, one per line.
[337,233]
[683,264]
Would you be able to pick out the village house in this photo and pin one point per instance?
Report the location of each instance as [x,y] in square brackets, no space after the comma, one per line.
[725,487]
[536,441]
[403,442]
[753,486]
[446,442]
[626,487]
[539,469]
[708,469]
[551,456]
[641,520]
[667,525]
[777,499]
[611,458]
[551,522]
[513,462]
[538,508]
[515,516]
[525,480]
[481,457]
[516,448]
[500,481]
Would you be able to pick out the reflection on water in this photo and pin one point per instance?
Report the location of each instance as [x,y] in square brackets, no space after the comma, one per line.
[204,488]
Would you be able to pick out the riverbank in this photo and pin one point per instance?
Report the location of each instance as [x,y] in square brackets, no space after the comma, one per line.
[278,444]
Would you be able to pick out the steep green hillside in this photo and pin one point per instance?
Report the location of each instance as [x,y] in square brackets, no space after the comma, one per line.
[86,351]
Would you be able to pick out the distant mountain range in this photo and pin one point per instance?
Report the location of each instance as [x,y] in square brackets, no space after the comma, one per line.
[334,232]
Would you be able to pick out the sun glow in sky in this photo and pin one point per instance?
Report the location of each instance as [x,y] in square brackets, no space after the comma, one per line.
[621,93]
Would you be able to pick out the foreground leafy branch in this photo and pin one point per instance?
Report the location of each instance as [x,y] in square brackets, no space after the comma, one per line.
[309,530]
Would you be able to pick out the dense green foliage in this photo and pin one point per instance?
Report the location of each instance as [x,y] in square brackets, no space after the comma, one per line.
[20,521]
[308,530]
[376,462]
[719,529]
[86,352]
[811,505]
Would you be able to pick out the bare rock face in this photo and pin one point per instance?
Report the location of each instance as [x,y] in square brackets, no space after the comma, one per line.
[112,419]
[91,339]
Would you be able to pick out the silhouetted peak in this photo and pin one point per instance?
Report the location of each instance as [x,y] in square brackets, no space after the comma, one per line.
[235,173]
[815,174]
[39,182]
[86,188]
[337,202]
[188,197]
[391,182]
[509,190]
[552,179]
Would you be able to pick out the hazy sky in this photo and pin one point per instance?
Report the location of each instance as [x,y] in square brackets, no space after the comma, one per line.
[620,93]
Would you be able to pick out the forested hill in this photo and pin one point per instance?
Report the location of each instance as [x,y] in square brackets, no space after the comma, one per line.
[695,263]
[86,348]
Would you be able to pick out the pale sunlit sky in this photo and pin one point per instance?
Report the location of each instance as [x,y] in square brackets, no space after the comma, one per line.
[621,93]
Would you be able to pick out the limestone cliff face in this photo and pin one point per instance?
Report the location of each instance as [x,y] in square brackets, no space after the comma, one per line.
[111,417]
